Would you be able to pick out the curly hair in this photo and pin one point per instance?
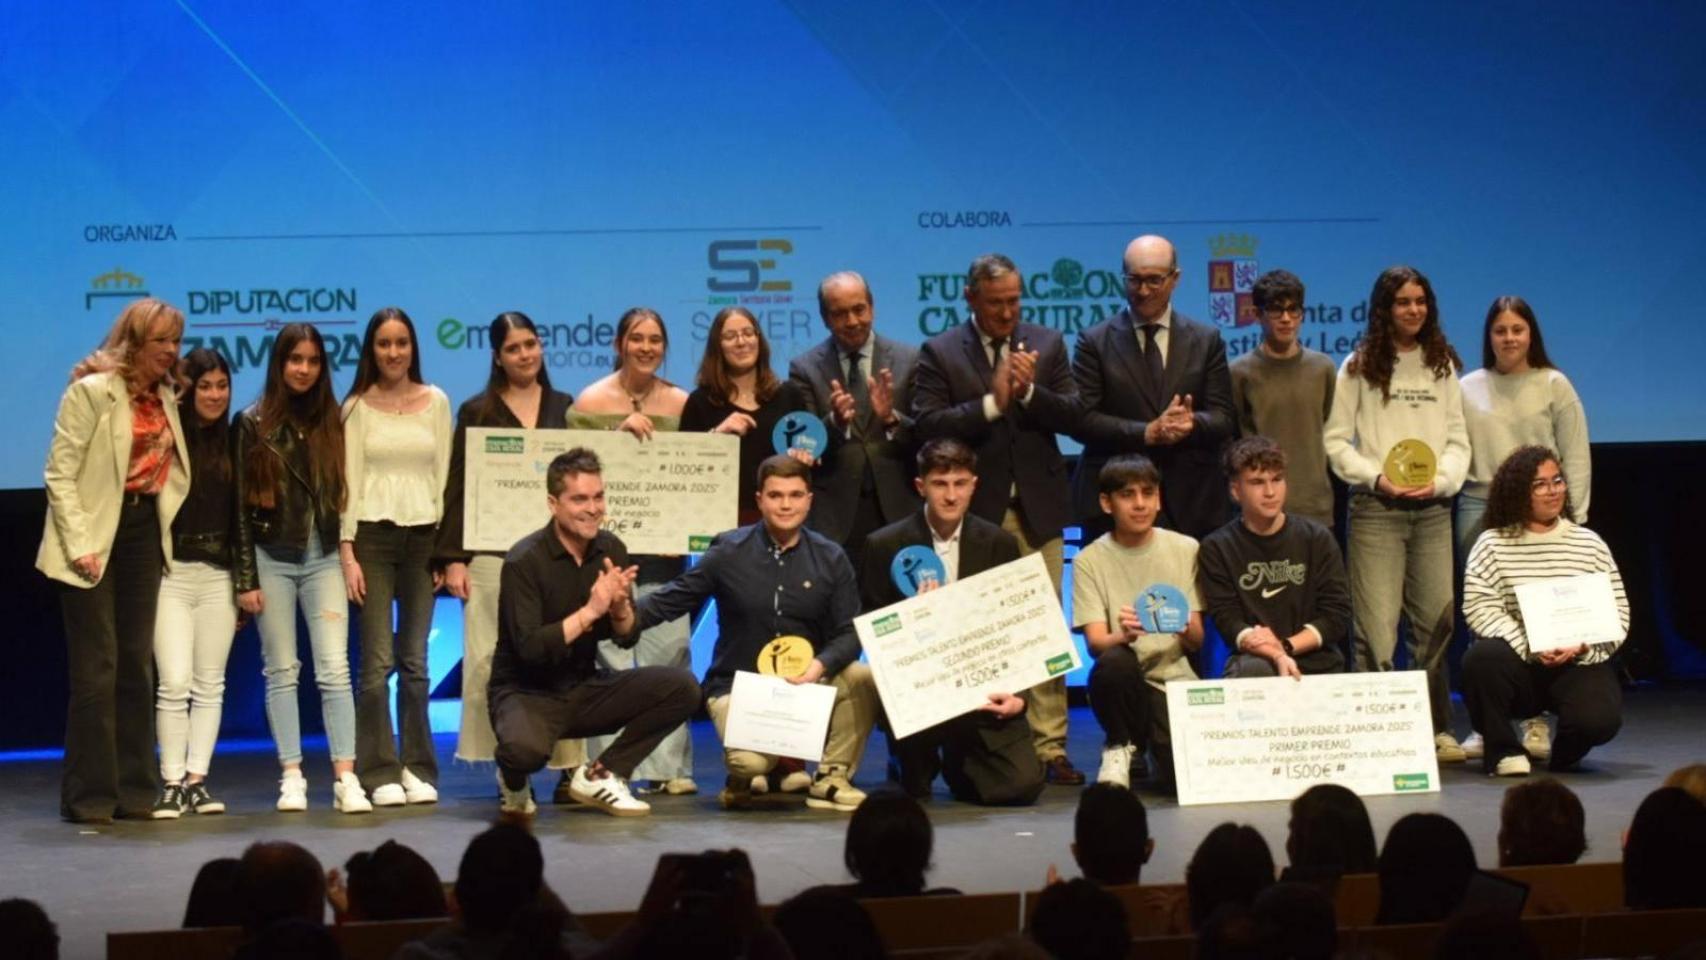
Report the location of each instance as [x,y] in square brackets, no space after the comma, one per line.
[1376,354]
[1511,492]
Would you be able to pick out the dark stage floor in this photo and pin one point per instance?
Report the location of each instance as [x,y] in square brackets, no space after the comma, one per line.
[136,875]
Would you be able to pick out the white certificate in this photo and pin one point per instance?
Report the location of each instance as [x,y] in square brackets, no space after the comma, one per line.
[771,715]
[1271,738]
[942,653]
[1566,612]
[667,495]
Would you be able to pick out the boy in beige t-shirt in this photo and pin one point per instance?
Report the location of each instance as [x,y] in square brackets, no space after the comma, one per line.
[1128,681]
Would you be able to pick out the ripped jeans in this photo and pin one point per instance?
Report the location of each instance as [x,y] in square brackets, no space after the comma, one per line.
[318,584]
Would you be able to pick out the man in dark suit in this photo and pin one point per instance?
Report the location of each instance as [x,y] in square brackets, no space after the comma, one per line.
[1155,382]
[1004,389]
[860,384]
[986,755]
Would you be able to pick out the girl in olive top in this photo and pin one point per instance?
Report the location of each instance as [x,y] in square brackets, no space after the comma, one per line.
[636,399]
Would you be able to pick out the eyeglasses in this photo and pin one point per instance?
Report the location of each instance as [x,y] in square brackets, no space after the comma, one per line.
[1274,313]
[1139,281]
[1542,485]
[736,336]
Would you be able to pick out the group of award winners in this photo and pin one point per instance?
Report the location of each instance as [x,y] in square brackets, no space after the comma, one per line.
[1203,490]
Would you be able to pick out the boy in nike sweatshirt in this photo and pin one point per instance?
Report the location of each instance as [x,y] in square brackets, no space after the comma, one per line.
[1272,581]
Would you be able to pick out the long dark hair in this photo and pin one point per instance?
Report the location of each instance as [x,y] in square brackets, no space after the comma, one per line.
[1536,345]
[314,413]
[367,369]
[630,317]
[714,377]
[1511,492]
[1376,354]
[497,381]
[209,443]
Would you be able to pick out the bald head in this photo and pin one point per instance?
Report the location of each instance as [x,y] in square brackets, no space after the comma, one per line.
[1151,273]
[1150,252]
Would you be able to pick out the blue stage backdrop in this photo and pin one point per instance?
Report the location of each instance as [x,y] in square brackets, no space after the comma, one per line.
[257,166]
[570,160]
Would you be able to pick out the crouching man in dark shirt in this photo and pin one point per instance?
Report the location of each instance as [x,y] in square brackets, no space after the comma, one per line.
[563,589]
[1273,581]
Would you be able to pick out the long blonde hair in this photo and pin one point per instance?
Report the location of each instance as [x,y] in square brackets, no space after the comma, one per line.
[117,353]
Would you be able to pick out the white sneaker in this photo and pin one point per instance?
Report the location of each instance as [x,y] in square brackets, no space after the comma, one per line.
[293,792]
[347,795]
[1116,765]
[680,786]
[518,802]
[608,793]
[1474,747]
[832,789]
[1512,766]
[1537,738]
[389,795]
[1447,749]
[416,790]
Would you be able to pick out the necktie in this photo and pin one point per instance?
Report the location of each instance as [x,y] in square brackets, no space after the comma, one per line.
[1152,365]
[856,382]
[996,345]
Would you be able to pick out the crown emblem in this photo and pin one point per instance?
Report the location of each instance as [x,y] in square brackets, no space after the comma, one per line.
[117,278]
[1232,245]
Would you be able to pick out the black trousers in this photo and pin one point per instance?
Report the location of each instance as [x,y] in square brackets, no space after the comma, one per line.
[644,703]
[109,638]
[1499,686]
[867,519]
[1130,710]
[394,563]
[985,760]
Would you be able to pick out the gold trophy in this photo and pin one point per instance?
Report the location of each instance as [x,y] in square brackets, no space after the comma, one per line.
[1411,463]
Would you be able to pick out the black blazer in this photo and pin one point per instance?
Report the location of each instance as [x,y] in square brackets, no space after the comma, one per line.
[1117,407]
[477,412]
[983,546]
[1019,447]
[839,475]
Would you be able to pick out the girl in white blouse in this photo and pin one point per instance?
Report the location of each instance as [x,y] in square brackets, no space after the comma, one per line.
[397,451]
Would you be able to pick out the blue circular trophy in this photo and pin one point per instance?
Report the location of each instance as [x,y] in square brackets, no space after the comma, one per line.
[1162,608]
[799,431]
[916,567]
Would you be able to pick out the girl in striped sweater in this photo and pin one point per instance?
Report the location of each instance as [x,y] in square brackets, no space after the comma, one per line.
[1530,535]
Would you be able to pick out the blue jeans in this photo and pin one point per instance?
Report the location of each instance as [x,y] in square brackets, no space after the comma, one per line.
[318,583]
[1466,527]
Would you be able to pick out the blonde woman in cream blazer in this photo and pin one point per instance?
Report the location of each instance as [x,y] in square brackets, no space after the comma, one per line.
[117,471]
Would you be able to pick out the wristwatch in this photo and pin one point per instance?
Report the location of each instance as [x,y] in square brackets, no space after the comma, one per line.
[1285,644]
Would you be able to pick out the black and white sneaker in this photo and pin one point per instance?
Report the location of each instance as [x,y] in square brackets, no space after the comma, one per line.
[171,804]
[608,793]
[197,798]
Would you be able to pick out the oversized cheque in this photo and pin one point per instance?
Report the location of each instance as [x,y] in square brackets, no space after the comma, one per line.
[667,495]
[1270,738]
[941,653]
